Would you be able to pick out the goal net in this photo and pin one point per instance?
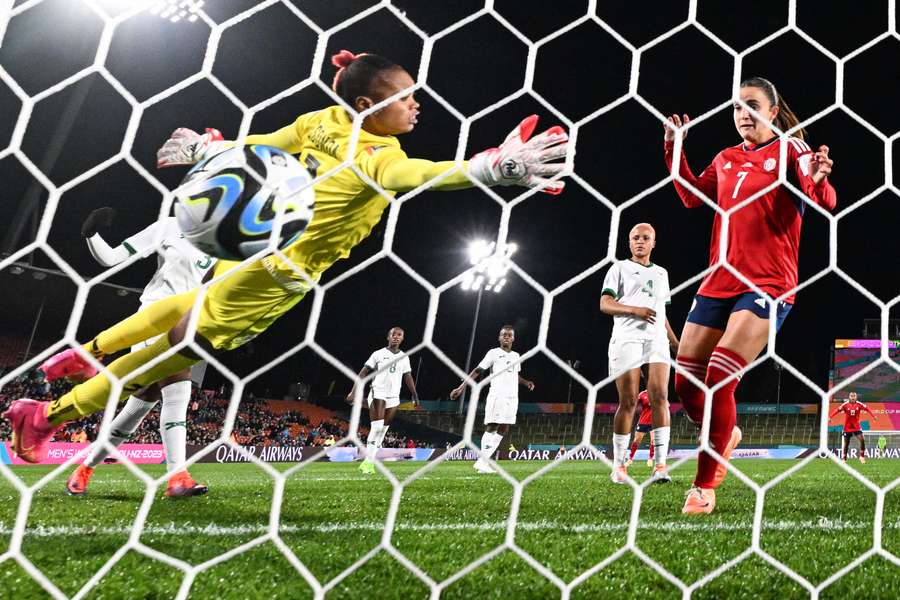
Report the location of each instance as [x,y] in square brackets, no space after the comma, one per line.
[91,88]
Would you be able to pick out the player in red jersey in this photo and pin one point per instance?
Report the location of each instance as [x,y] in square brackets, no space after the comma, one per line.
[644,424]
[728,324]
[852,410]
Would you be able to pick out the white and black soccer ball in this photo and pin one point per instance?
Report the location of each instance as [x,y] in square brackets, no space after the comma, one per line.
[224,211]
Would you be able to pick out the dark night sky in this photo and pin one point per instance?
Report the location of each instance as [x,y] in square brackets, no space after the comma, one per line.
[619,154]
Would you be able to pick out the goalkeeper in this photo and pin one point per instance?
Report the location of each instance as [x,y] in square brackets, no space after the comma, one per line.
[244,304]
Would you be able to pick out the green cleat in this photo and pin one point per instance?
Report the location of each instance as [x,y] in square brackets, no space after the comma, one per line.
[367,467]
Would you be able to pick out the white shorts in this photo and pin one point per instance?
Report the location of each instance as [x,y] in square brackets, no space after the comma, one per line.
[388,403]
[501,410]
[632,354]
[198,371]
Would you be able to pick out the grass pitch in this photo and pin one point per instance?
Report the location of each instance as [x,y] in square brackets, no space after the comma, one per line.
[571,518]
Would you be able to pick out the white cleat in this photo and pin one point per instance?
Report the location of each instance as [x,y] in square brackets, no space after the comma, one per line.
[483,467]
[619,475]
[660,475]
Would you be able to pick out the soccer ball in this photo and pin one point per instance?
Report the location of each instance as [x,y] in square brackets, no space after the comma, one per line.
[224,211]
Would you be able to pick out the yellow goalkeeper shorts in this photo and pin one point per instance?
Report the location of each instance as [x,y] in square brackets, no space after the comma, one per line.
[244,304]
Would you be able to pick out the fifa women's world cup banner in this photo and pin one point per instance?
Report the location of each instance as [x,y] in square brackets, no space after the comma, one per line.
[60,452]
[885,417]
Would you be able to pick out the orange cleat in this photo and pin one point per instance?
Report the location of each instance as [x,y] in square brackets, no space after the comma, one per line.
[31,431]
[862,459]
[722,470]
[67,363]
[182,484]
[78,481]
[699,501]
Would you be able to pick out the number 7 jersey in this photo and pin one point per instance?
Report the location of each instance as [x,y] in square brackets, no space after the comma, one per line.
[763,236]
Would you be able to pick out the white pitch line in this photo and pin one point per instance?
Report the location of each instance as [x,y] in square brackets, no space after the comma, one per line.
[212,529]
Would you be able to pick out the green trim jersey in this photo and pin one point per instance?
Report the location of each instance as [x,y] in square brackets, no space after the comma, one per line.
[391,368]
[633,284]
[180,266]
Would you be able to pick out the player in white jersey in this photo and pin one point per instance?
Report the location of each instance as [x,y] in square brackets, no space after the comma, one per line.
[390,365]
[180,267]
[635,293]
[502,402]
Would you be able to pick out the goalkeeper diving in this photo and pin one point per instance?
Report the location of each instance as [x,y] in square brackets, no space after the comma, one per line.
[240,306]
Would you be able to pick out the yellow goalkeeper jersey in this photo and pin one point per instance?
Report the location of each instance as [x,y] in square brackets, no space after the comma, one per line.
[346,207]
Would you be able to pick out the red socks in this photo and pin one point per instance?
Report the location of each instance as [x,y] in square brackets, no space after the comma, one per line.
[723,363]
[691,396]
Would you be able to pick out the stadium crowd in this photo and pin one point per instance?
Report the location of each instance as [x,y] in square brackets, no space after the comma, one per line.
[256,424]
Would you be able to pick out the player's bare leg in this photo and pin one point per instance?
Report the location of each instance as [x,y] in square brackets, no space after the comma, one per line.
[628,386]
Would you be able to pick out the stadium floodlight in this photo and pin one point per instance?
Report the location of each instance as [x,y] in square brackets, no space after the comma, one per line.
[176,10]
[491,266]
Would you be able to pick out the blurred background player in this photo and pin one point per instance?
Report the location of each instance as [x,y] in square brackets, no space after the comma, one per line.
[728,324]
[635,293]
[852,410]
[644,425]
[502,401]
[180,267]
[391,365]
[237,308]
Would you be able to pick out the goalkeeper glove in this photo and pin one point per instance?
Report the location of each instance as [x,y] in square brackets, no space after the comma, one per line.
[98,219]
[523,160]
[186,147]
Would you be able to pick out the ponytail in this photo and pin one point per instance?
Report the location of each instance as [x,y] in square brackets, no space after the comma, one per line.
[357,74]
[785,119]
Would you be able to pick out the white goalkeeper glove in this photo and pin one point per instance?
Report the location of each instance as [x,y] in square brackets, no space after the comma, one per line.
[187,147]
[523,160]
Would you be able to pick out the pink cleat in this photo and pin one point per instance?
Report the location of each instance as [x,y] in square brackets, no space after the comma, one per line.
[721,470]
[699,501]
[67,363]
[31,431]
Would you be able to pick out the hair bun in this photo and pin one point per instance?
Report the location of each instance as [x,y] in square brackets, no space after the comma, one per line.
[343,59]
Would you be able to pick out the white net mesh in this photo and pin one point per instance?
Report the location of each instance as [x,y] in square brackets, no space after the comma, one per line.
[272,531]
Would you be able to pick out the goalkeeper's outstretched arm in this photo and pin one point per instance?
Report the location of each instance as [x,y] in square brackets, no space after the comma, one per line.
[520,160]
